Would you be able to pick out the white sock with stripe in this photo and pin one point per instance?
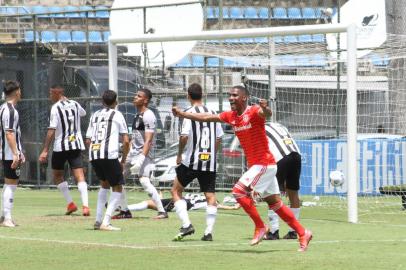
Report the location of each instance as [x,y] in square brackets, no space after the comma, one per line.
[8,200]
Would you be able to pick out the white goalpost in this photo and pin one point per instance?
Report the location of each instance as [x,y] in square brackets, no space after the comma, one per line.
[230,53]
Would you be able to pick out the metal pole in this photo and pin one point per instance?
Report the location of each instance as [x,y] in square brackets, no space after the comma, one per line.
[36,91]
[337,108]
[352,169]
[113,84]
[234,33]
[205,78]
[87,54]
[221,62]
[271,79]
[144,45]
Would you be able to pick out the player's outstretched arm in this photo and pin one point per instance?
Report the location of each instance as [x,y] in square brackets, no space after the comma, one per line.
[201,117]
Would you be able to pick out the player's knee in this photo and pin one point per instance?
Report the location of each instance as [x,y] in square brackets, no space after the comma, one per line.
[238,192]
[145,182]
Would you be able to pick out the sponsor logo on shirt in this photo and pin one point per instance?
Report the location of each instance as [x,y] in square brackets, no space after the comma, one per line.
[236,129]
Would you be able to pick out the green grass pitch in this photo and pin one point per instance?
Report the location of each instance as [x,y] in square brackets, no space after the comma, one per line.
[46,239]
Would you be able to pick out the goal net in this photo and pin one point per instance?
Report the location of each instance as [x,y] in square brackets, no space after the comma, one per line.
[311,90]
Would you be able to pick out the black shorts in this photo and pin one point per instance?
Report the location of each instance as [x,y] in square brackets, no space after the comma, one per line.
[109,170]
[9,172]
[74,157]
[288,173]
[207,180]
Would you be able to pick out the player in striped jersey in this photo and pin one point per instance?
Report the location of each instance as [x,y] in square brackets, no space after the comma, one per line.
[64,127]
[248,123]
[201,141]
[11,149]
[289,163]
[105,128]
[140,160]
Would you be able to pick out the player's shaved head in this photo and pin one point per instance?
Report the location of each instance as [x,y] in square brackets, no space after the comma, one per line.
[242,90]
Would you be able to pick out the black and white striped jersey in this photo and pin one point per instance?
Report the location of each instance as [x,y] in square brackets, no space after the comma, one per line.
[65,119]
[142,123]
[200,151]
[105,127]
[9,122]
[280,141]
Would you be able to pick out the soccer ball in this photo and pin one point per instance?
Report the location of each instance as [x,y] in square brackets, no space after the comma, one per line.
[336,178]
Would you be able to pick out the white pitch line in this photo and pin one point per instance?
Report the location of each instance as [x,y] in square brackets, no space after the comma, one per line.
[114,245]
[185,245]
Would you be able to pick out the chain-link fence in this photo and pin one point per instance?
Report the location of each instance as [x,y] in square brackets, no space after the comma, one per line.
[58,46]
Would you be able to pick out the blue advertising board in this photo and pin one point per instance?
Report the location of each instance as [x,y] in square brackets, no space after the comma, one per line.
[380,162]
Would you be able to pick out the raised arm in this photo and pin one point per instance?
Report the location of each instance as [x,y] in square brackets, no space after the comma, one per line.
[201,117]
[265,111]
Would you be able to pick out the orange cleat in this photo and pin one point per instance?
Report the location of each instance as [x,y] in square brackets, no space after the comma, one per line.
[304,240]
[71,208]
[259,235]
[85,211]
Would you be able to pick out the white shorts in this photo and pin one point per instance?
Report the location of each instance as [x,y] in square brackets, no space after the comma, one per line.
[261,179]
[146,168]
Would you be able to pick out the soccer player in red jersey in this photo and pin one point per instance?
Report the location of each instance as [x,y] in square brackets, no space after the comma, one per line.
[248,123]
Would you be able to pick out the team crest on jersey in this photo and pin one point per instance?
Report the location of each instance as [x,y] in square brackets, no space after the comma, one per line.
[245,118]
[72,138]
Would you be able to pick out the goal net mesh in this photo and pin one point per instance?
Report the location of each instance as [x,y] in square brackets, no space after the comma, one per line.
[310,99]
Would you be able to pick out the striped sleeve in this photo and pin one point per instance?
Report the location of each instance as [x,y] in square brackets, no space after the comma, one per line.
[8,119]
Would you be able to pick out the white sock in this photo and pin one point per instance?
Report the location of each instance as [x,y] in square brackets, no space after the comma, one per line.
[296,212]
[273,220]
[63,187]
[82,186]
[211,213]
[181,211]
[101,202]
[114,200]
[123,201]
[2,196]
[8,200]
[138,206]
[153,193]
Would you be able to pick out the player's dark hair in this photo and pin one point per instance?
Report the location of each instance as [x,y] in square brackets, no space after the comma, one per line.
[109,97]
[195,91]
[242,89]
[147,92]
[10,87]
[57,86]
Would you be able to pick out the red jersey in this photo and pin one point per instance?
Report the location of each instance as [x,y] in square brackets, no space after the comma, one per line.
[249,127]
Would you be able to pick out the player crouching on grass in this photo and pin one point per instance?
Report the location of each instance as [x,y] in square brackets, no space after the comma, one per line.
[105,128]
[248,123]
